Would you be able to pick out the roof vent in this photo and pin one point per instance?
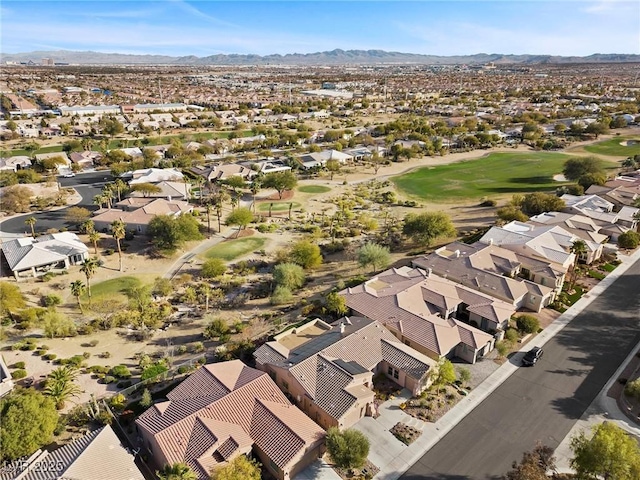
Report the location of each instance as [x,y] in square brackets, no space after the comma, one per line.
[457,252]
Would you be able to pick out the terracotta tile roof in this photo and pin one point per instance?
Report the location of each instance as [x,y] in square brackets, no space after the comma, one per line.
[99,455]
[327,365]
[224,404]
[399,299]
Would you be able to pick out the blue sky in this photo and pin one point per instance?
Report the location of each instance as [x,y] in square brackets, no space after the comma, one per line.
[201,27]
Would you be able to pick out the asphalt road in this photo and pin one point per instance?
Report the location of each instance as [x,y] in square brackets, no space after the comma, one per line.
[88,185]
[543,402]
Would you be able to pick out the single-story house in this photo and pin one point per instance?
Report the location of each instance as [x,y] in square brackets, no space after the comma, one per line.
[137,212]
[98,454]
[153,175]
[328,370]
[404,301]
[16,163]
[34,257]
[224,410]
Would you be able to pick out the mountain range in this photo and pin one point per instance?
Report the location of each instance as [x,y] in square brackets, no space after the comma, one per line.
[333,57]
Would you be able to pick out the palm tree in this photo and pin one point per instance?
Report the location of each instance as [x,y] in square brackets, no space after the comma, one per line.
[208,210]
[89,268]
[578,248]
[107,193]
[255,188]
[99,200]
[177,471]
[119,187]
[88,227]
[119,231]
[77,289]
[60,386]
[31,221]
[93,238]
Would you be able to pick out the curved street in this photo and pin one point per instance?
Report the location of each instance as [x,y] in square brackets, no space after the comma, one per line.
[88,185]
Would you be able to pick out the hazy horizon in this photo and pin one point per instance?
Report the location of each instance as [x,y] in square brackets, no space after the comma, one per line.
[203,28]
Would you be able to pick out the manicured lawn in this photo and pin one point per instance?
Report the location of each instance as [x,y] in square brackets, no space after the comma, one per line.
[232,249]
[597,275]
[277,206]
[495,174]
[616,147]
[314,189]
[114,288]
[609,267]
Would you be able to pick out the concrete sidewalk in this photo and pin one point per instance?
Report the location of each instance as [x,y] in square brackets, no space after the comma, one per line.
[393,459]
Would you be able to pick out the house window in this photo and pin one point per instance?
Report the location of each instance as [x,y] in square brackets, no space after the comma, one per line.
[407,342]
[285,385]
[390,371]
[395,374]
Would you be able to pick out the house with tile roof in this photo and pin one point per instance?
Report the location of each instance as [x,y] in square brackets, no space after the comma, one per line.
[153,175]
[327,370]
[548,242]
[407,301]
[520,280]
[603,213]
[168,190]
[137,212]
[33,257]
[228,409]
[15,163]
[99,455]
[223,171]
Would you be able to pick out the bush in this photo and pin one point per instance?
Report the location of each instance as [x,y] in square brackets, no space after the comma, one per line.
[93,343]
[281,295]
[51,300]
[120,371]
[50,356]
[197,347]
[154,370]
[503,348]
[511,335]
[348,449]
[527,324]
[181,349]
[213,268]
[289,275]
[18,374]
[488,203]
[629,240]
[19,365]
[109,379]
[632,389]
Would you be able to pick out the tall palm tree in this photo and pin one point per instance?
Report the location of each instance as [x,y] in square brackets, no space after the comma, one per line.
[107,193]
[255,188]
[119,231]
[31,221]
[89,268]
[578,248]
[93,238]
[60,386]
[208,209]
[88,227]
[119,187]
[77,289]
[177,471]
[99,200]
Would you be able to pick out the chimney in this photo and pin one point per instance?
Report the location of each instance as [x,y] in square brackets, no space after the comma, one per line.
[457,252]
[429,272]
[342,327]
[491,241]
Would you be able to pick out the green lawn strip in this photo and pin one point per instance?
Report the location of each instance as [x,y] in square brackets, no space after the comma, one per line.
[609,267]
[597,275]
[314,189]
[277,206]
[115,287]
[614,147]
[495,174]
[575,296]
[232,249]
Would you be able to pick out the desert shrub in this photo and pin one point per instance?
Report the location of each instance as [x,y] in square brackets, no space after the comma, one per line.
[19,365]
[93,343]
[18,374]
[632,389]
[281,295]
[51,300]
[527,324]
[120,371]
[197,347]
[109,379]
[50,356]
[181,349]
[213,268]
[511,334]
[502,348]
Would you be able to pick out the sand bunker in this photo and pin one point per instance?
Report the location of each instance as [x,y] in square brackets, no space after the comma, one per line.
[560,178]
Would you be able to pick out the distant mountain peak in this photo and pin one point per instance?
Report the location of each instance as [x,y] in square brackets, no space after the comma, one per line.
[337,56]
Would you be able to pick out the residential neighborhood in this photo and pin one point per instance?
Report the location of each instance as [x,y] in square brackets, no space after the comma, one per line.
[268,270]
